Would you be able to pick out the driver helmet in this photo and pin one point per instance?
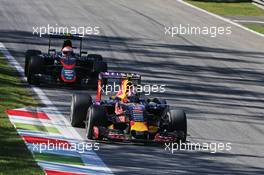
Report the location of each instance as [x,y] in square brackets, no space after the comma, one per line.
[129,89]
[131,94]
[67,51]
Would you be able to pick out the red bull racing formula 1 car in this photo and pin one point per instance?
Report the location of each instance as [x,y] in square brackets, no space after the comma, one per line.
[64,66]
[124,114]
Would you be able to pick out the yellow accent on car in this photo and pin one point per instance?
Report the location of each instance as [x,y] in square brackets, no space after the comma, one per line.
[139,126]
[123,89]
[111,126]
[152,129]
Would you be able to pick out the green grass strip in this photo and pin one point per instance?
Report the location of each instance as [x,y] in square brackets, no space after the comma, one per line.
[36,128]
[15,158]
[58,158]
[257,27]
[229,9]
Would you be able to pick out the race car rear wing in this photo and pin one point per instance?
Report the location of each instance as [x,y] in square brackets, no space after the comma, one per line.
[65,36]
[113,75]
[119,75]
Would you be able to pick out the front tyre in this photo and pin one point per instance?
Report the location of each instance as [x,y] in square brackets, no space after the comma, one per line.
[178,123]
[28,55]
[80,104]
[96,117]
[34,67]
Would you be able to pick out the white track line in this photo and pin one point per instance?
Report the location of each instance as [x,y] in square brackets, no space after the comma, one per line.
[220,17]
[257,4]
[248,21]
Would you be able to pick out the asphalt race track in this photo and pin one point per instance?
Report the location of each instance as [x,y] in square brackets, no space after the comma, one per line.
[218,81]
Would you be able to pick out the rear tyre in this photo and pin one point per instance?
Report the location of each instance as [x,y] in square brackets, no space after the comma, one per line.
[178,123]
[99,67]
[34,67]
[95,57]
[28,54]
[103,67]
[96,117]
[79,106]
[159,101]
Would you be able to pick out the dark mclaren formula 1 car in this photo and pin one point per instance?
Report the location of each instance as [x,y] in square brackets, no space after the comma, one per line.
[126,116]
[64,66]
